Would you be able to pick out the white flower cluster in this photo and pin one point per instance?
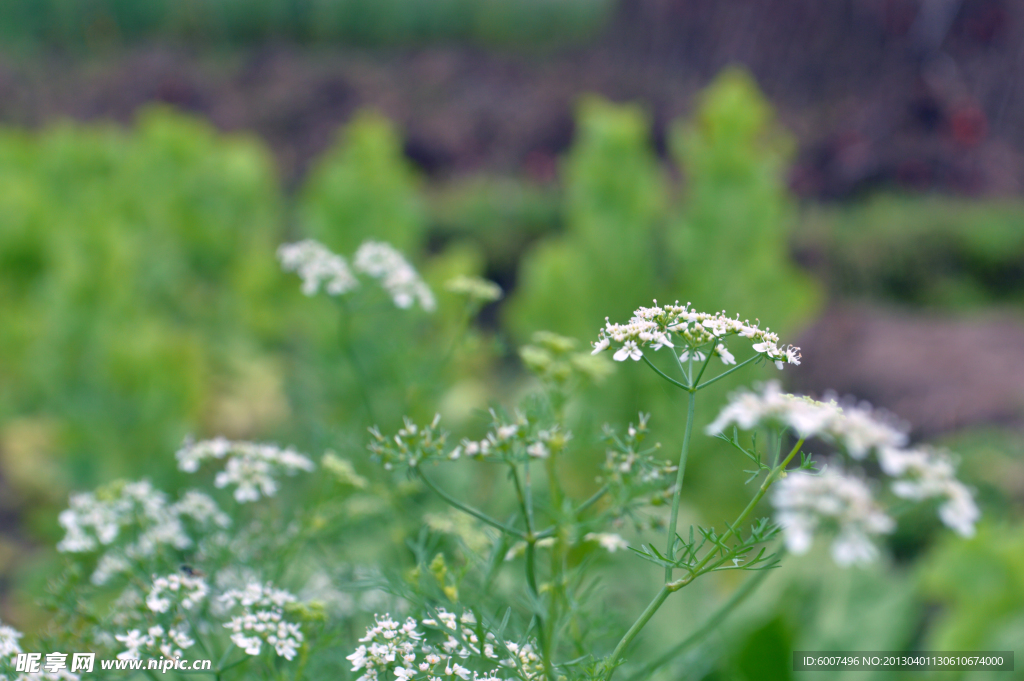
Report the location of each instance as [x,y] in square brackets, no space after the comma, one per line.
[316,266]
[10,648]
[251,466]
[805,502]
[9,641]
[927,474]
[100,519]
[156,640]
[502,440]
[663,326]
[176,590]
[855,428]
[401,281]
[917,474]
[393,650]
[262,620]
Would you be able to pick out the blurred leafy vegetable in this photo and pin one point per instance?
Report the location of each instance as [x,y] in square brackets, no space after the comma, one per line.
[932,251]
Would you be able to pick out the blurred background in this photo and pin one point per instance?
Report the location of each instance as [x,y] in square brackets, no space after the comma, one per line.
[850,172]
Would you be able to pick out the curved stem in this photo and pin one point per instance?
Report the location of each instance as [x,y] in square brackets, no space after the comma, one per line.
[709,625]
[726,373]
[525,494]
[479,515]
[666,376]
[707,360]
[592,500]
[677,491]
[648,613]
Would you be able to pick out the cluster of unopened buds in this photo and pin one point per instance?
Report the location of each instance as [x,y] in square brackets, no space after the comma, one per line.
[411,445]
[503,440]
[668,325]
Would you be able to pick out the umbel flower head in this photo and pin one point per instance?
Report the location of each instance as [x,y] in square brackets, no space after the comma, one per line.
[318,267]
[250,466]
[680,326]
[262,620]
[805,501]
[134,521]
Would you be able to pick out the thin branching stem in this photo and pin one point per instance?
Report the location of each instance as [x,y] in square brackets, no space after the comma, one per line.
[678,584]
[592,500]
[670,551]
[726,373]
[645,616]
[707,360]
[465,508]
[666,376]
[709,625]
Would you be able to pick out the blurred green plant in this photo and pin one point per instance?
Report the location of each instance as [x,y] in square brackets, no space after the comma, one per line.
[724,243]
[615,196]
[927,251]
[737,214]
[363,187]
[133,281]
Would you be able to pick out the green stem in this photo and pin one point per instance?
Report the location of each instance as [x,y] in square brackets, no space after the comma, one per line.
[726,373]
[525,494]
[670,587]
[696,571]
[677,491]
[666,376]
[648,613]
[479,515]
[350,354]
[592,500]
[709,625]
[707,360]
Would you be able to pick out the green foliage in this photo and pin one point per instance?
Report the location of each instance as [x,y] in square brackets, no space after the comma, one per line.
[364,187]
[614,198]
[730,242]
[980,587]
[724,245]
[133,266]
[931,251]
[75,25]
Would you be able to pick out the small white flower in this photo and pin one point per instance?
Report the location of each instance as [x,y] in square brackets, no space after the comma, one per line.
[610,542]
[381,261]
[9,641]
[601,345]
[724,354]
[316,265]
[629,350]
[538,450]
[697,356]
[250,466]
